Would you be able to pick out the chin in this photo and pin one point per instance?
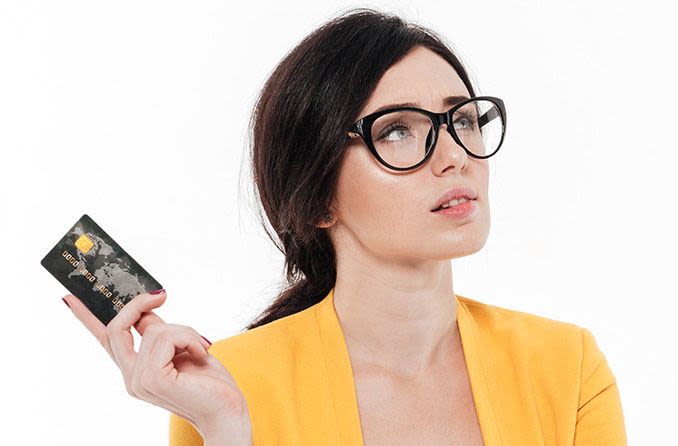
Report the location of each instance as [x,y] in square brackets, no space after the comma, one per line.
[453,250]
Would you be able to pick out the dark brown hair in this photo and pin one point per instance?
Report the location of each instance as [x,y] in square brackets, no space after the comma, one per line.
[297,136]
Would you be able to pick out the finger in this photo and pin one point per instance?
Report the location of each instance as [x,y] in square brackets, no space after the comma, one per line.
[191,331]
[147,318]
[203,340]
[119,333]
[163,350]
[156,353]
[97,328]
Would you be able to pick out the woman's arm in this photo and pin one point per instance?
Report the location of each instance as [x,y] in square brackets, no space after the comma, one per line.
[600,419]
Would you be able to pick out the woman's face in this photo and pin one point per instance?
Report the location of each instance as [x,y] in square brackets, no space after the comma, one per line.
[388,213]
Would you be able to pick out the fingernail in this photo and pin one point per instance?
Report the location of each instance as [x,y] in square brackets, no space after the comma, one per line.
[210,342]
[66,302]
[161,290]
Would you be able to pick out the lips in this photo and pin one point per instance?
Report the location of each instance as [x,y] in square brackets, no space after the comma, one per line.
[455,192]
[440,207]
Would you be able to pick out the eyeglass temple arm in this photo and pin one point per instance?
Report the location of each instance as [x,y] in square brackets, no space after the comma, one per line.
[352,132]
[488,116]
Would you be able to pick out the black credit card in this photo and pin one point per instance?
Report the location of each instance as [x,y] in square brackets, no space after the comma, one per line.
[96,270]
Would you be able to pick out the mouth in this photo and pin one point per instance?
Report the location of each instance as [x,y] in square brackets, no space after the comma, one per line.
[453,202]
[455,195]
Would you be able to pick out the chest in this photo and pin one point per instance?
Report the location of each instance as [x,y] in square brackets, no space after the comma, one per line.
[435,410]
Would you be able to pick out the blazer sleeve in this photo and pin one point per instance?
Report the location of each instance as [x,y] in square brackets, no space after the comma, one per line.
[182,433]
[600,419]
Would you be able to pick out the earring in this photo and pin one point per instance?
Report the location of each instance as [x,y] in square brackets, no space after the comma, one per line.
[328,217]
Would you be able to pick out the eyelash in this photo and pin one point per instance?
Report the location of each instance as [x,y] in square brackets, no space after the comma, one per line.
[390,128]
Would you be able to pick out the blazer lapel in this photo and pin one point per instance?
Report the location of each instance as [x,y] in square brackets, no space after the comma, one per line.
[340,374]
[479,373]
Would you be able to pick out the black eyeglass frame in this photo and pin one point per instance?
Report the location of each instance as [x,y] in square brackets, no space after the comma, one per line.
[363,127]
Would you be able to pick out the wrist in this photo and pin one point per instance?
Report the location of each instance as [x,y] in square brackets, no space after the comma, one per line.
[223,433]
[224,440]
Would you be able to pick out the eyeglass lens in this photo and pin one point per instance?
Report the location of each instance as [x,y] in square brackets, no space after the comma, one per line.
[403,138]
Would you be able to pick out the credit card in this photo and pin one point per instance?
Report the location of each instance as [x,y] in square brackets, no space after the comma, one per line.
[96,270]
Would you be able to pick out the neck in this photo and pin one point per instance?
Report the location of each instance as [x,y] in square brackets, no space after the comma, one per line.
[401,318]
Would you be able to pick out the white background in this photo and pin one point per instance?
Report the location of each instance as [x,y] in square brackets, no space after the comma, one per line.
[136,113]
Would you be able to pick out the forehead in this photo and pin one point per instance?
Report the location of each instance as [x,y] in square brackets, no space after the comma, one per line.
[421,76]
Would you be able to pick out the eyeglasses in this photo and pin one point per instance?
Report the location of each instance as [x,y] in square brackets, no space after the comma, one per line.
[403,138]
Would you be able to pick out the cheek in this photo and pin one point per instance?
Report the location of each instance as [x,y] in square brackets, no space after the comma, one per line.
[376,204]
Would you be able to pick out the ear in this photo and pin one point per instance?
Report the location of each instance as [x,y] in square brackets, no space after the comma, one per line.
[328,218]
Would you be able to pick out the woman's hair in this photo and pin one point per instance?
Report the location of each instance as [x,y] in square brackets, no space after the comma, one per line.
[297,132]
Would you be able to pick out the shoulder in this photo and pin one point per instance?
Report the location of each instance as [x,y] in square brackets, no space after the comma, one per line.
[555,347]
[558,363]
[531,335]
[556,353]
[510,320]
[267,349]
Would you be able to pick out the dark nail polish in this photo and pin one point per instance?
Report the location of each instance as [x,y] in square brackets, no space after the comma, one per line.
[66,302]
[210,342]
[161,290]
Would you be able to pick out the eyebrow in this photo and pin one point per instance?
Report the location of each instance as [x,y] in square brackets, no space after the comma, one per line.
[449,101]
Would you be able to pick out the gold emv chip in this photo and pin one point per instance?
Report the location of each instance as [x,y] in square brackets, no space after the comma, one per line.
[84,244]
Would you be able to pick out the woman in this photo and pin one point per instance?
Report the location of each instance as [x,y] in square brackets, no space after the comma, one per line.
[370,153]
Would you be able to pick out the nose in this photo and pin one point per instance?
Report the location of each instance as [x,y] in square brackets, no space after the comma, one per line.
[444,140]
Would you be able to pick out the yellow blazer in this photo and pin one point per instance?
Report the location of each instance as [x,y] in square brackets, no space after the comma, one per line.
[535,381]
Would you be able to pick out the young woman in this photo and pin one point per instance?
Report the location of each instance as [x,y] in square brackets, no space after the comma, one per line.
[369,155]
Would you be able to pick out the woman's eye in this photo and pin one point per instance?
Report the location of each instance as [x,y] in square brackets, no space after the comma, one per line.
[400,131]
[464,123]
[461,123]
